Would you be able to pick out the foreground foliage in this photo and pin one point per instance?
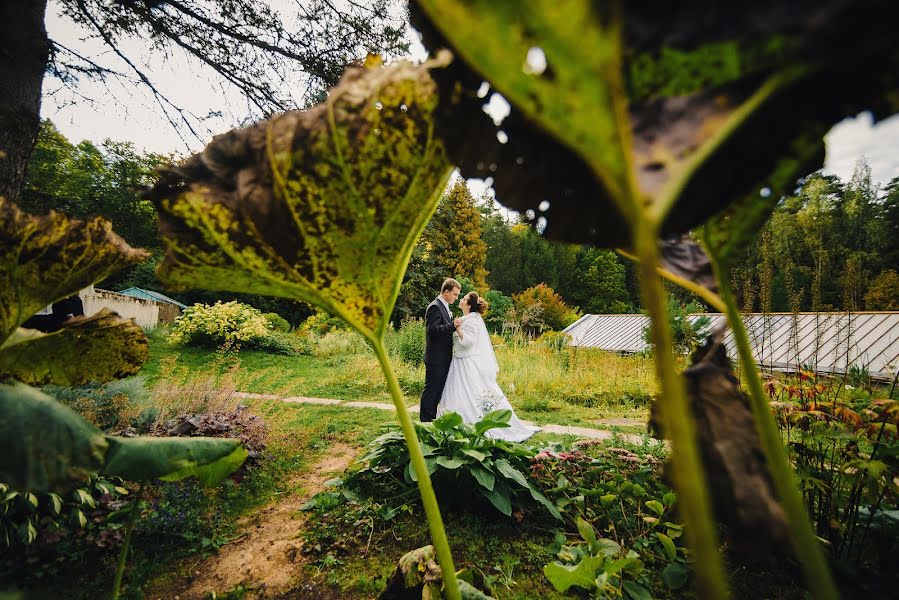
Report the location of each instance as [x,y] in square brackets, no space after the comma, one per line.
[846,451]
[637,164]
[459,459]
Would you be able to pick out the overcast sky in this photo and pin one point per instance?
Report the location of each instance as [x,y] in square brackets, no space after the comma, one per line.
[129,113]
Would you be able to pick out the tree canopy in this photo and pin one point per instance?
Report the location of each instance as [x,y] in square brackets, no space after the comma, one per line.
[277,59]
[824,246]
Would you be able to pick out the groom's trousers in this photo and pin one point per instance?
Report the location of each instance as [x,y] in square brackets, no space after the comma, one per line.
[435,380]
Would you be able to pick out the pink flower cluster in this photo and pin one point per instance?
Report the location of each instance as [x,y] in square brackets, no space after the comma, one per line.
[571,455]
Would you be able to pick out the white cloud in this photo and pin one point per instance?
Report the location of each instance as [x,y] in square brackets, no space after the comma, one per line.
[859,137]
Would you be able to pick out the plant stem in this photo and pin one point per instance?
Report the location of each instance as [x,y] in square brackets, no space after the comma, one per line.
[710,297]
[126,543]
[428,499]
[687,467]
[806,545]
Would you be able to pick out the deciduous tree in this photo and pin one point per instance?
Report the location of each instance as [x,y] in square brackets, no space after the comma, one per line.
[251,46]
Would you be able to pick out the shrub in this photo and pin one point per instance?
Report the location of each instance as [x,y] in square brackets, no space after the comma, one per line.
[883,293]
[44,519]
[497,313]
[278,342]
[555,314]
[461,461]
[601,489]
[321,323]
[555,340]
[277,322]
[238,423]
[844,456]
[409,342]
[219,323]
[688,334]
[105,405]
[340,343]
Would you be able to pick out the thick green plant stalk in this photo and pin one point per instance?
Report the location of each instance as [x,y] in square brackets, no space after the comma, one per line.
[428,498]
[126,543]
[706,294]
[688,470]
[805,543]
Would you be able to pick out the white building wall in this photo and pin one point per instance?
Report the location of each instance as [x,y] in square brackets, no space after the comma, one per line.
[144,312]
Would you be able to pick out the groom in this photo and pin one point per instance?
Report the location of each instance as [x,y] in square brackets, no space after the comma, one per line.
[440,325]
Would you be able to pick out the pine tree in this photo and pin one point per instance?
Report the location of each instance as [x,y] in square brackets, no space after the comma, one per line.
[453,237]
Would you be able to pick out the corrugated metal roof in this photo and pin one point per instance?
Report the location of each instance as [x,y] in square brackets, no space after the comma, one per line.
[825,342]
[137,292]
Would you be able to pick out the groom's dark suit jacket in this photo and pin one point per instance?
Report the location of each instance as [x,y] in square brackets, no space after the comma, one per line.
[439,336]
[438,356]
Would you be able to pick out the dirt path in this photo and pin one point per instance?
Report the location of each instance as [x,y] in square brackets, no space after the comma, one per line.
[268,557]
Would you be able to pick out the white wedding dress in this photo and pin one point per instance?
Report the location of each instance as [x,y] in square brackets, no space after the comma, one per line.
[471,389]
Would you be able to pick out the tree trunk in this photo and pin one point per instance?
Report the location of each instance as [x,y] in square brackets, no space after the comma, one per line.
[24,52]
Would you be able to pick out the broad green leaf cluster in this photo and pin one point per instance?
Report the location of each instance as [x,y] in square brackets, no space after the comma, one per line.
[47,447]
[459,456]
[323,205]
[22,513]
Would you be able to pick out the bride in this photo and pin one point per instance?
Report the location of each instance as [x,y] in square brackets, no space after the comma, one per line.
[471,389]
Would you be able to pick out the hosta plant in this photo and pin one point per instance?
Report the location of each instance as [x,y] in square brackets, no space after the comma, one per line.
[25,515]
[604,568]
[459,459]
[619,493]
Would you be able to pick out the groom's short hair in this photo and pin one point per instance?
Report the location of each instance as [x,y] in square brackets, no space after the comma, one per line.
[449,284]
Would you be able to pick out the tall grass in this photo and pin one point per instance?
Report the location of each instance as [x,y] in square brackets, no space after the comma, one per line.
[181,390]
[539,378]
[560,385]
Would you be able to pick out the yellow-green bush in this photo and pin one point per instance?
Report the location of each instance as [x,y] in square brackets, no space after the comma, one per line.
[219,323]
[554,314]
[340,342]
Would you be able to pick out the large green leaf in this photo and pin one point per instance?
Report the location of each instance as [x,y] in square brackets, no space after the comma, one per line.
[144,458]
[658,108]
[549,506]
[581,575]
[529,165]
[499,497]
[48,446]
[496,419]
[97,348]
[447,422]
[484,477]
[44,444]
[322,205]
[577,97]
[510,472]
[46,258]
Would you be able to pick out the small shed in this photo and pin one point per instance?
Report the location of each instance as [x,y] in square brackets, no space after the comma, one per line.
[169,308]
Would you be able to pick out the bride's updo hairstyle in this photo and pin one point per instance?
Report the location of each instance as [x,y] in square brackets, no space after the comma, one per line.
[476,303]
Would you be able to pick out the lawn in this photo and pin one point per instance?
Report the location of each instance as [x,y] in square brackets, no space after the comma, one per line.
[566,387]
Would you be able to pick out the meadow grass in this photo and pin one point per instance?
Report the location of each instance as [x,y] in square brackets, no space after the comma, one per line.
[571,386]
